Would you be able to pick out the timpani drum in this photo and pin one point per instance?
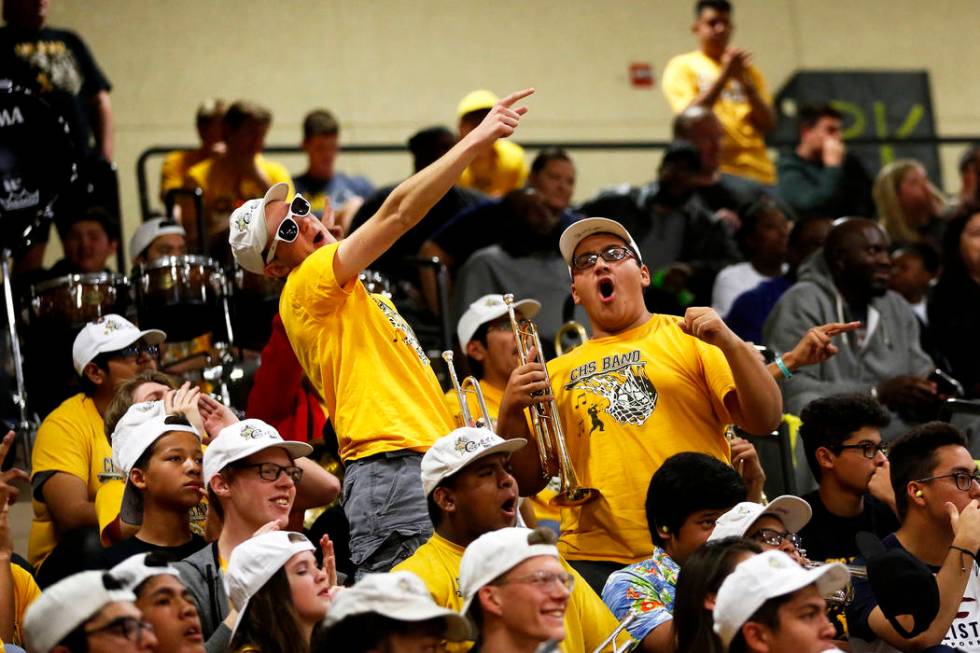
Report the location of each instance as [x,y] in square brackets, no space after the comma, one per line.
[255,303]
[73,300]
[181,295]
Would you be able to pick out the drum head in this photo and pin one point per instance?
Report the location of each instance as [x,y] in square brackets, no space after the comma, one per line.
[37,162]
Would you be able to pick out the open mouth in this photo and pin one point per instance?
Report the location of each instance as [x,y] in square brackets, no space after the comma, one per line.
[318,238]
[281,502]
[607,289]
[193,633]
[509,506]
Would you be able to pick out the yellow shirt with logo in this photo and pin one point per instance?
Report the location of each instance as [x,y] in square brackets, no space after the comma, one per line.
[363,358]
[225,189]
[627,403]
[499,173]
[26,592]
[71,440]
[743,147]
[587,619]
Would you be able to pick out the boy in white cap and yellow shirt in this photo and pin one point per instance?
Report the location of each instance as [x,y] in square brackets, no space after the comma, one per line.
[515,590]
[389,612]
[72,456]
[359,354]
[500,167]
[88,612]
[470,491]
[251,476]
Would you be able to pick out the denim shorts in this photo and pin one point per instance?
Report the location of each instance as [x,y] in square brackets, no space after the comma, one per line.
[386,508]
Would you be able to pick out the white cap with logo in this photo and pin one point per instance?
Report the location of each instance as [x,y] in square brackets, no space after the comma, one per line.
[242,439]
[582,229]
[133,571]
[487,309]
[494,554]
[109,333]
[149,231]
[248,231]
[398,595]
[66,605]
[453,452]
[763,577]
[793,511]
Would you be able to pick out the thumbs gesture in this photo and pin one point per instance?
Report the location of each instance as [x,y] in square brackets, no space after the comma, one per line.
[502,119]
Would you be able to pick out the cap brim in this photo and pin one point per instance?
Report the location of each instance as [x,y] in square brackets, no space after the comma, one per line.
[276,193]
[153,336]
[830,578]
[131,510]
[582,229]
[793,511]
[507,446]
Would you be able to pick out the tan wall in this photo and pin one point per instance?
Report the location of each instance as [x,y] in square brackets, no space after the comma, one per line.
[387,68]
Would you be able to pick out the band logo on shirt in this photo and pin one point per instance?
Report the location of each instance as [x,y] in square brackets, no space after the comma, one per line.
[399,323]
[621,385]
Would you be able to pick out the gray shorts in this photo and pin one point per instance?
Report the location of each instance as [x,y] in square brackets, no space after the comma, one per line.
[386,508]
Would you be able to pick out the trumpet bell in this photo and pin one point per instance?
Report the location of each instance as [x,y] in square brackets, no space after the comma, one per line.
[574,496]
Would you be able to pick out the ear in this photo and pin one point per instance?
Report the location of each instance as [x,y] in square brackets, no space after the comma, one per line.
[575,296]
[644,276]
[709,601]
[443,497]
[490,600]
[113,246]
[756,636]
[476,350]
[138,478]
[220,485]
[95,374]
[825,457]
[277,270]
[916,494]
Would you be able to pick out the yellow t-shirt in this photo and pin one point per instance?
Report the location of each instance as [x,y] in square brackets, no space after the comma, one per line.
[743,148]
[225,190]
[502,171]
[71,440]
[587,619]
[175,167]
[26,592]
[640,396]
[108,503]
[363,358]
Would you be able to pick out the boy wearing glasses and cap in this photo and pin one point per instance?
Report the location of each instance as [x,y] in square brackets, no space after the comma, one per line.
[88,612]
[937,488]
[251,477]
[515,590]
[72,456]
[343,337]
[645,387]
[775,526]
[842,440]
[470,491]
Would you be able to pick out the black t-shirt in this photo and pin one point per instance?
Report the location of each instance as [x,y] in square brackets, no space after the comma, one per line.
[133,545]
[57,65]
[827,537]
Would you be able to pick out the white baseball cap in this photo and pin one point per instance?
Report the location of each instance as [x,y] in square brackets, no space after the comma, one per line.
[248,234]
[109,333]
[582,229]
[242,439]
[133,571]
[398,595]
[453,452]
[494,554]
[763,577]
[793,511]
[66,605]
[254,561]
[486,309]
[148,232]
[131,441]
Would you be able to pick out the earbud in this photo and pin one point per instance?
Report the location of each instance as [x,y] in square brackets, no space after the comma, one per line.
[664,529]
[918,493]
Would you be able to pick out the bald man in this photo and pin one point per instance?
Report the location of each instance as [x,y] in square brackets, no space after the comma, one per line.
[848,280]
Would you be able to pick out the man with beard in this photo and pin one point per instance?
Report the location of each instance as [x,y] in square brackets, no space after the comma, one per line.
[848,280]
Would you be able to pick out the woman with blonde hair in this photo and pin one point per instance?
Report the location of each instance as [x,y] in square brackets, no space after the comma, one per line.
[909,206]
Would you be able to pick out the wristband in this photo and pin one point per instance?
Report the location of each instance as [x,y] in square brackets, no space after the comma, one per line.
[782,367]
[962,550]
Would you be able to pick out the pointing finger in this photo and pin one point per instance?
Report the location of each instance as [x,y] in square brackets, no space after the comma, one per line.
[514,97]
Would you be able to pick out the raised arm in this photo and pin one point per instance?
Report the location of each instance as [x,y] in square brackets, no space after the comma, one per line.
[413,198]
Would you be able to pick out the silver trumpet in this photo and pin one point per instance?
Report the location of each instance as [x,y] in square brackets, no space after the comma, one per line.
[627,620]
[546,424]
[470,385]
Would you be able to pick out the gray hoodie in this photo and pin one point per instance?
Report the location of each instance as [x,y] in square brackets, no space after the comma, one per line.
[201,573]
[891,349]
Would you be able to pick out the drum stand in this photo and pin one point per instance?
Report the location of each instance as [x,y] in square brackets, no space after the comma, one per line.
[25,427]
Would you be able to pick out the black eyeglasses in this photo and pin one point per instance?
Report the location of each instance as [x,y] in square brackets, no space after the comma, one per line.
[129,628]
[773,537]
[288,229]
[272,471]
[609,255]
[134,350]
[868,449]
[964,480]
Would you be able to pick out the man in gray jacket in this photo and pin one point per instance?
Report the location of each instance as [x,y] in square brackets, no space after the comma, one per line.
[848,280]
